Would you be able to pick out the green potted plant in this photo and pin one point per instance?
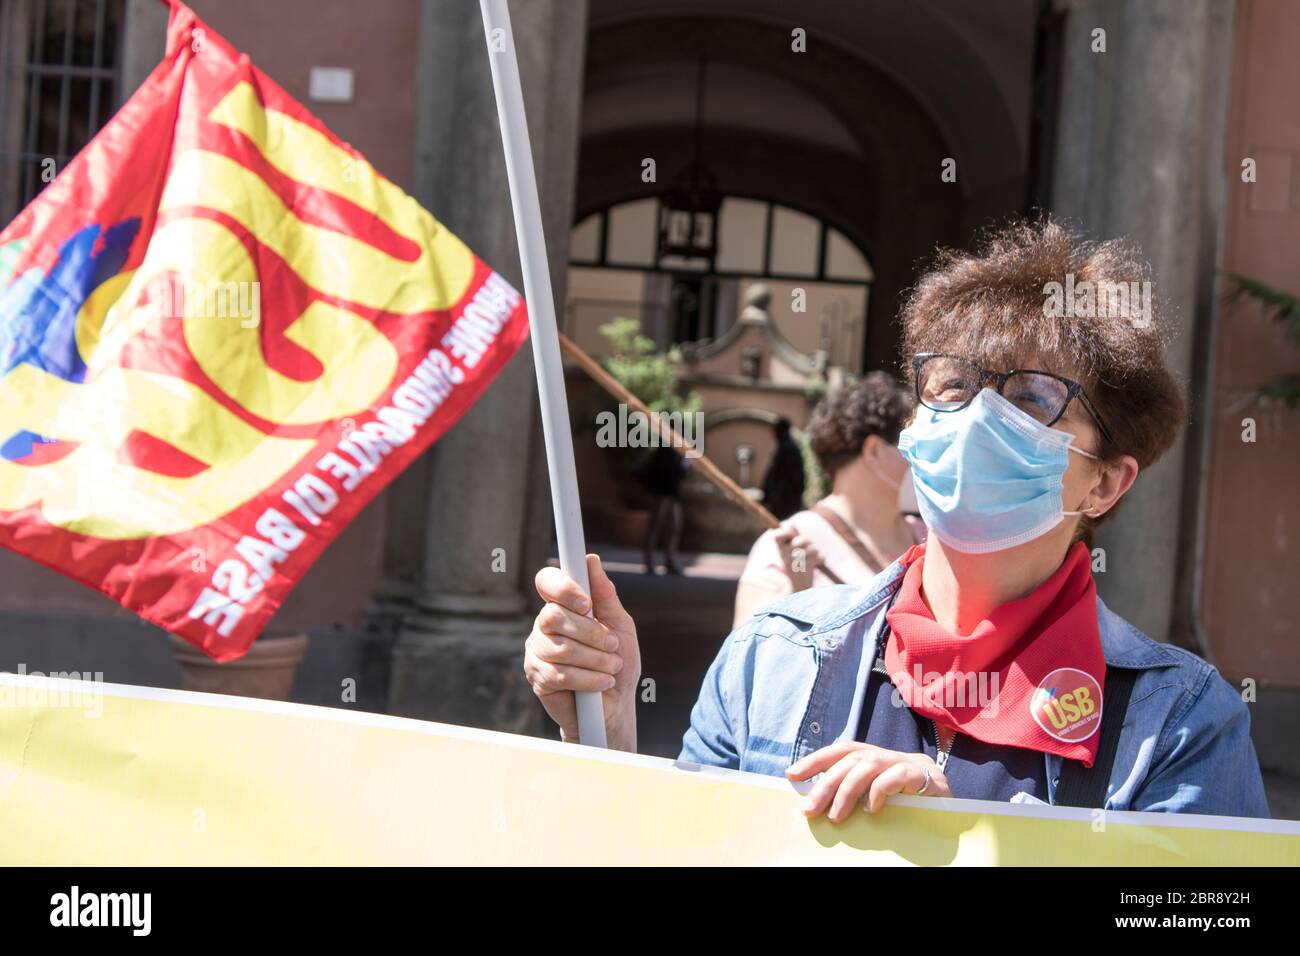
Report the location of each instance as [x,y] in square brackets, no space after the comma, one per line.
[653,378]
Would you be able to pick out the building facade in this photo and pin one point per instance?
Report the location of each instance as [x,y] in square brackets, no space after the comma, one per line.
[844,140]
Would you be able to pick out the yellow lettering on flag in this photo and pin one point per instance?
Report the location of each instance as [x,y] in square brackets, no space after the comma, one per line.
[123,501]
[198,251]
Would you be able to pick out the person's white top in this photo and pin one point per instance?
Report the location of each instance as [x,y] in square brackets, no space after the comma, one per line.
[765,569]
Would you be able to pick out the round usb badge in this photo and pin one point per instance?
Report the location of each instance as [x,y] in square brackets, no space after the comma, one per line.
[1067,705]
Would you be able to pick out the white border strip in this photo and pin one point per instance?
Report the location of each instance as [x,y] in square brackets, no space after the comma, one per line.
[661,764]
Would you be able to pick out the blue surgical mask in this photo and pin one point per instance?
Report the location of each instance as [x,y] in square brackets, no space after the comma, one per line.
[987,477]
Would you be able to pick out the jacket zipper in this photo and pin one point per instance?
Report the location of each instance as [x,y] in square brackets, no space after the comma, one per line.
[941,761]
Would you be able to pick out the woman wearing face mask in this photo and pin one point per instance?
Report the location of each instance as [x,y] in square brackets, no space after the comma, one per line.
[858,529]
[981,664]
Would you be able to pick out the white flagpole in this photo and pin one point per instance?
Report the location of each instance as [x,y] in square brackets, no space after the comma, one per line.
[541,318]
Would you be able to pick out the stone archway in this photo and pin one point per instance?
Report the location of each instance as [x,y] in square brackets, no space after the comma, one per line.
[866,157]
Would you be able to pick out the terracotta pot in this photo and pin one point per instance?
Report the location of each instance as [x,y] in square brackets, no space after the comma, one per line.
[266,671]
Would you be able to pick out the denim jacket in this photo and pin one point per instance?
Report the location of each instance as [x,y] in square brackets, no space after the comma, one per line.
[791,680]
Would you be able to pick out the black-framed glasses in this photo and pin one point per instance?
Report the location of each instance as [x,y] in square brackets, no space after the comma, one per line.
[948,383]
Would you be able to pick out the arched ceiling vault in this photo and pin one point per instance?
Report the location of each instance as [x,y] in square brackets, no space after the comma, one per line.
[869,65]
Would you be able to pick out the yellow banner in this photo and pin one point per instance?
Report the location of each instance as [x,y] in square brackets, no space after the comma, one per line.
[94,773]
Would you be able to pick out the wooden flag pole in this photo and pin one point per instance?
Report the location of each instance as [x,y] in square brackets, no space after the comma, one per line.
[667,436]
[541,319]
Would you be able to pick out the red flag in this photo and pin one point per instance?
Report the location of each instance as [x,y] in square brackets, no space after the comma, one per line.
[221,334]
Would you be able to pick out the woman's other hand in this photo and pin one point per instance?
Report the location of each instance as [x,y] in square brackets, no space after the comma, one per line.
[799,555]
[854,772]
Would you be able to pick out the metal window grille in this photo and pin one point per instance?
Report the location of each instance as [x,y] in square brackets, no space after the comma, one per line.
[59,61]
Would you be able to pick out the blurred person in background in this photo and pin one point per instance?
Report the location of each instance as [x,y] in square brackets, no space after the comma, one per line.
[784,482]
[662,476]
[858,529]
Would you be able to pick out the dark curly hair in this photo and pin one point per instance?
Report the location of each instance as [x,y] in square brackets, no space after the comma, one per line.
[989,307]
[877,405]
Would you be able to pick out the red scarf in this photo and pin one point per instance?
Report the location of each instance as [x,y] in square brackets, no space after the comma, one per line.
[1028,676]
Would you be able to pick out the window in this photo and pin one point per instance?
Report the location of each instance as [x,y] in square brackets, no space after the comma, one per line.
[755,238]
[59,62]
[742,236]
[818,278]
[793,244]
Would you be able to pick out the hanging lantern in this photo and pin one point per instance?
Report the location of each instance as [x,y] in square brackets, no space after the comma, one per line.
[688,217]
[688,211]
